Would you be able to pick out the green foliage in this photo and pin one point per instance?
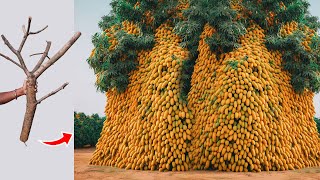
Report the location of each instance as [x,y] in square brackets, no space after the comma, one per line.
[233,64]
[296,10]
[190,31]
[87,129]
[219,15]
[303,65]
[108,21]
[113,67]
[315,44]
[161,14]
[222,18]
[317,120]
[311,21]
[185,82]
[125,10]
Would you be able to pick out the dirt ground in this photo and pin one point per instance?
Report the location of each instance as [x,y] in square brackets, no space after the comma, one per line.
[84,171]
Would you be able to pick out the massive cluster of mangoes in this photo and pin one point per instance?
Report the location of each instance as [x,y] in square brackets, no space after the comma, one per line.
[148,127]
[248,117]
[242,113]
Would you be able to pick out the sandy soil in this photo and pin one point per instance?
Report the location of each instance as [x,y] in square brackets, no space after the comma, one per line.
[84,171]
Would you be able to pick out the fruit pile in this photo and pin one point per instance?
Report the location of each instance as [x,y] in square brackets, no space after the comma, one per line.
[245,110]
[248,108]
[148,126]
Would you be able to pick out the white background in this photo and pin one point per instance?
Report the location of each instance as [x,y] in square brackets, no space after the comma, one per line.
[53,115]
[87,15]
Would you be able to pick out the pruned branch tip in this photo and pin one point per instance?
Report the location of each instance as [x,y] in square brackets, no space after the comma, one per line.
[27,33]
[35,54]
[43,57]
[58,55]
[7,43]
[11,60]
[17,53]
[37,32]
[52,93]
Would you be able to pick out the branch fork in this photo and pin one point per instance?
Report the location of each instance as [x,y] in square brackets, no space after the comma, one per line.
[33,75]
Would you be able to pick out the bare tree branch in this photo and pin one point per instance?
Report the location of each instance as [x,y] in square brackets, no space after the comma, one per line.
[35,54]
[29,24]
[19,56]
[37,32]
[9,59]
[58,55]
[6,42]
[23,65]
[26,34]
[43,57]
[24,29]
[32,76]
[52,93]
[24,39]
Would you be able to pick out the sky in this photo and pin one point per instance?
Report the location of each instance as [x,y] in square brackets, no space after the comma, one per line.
[315,11]
[87,16]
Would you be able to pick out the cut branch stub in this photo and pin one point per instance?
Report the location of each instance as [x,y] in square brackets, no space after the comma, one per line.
[52,93]
[9,59]
[58,55]
[35,54]
[23,65]
[43,57]
[32,76]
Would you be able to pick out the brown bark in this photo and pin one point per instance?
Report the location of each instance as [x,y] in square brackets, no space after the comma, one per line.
[30,108]
[33,75]
[58,55]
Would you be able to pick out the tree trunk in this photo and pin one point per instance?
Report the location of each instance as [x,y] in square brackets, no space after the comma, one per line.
[31,108]
[32,76]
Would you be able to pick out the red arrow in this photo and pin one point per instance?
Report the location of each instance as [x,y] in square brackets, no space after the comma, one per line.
[65,138]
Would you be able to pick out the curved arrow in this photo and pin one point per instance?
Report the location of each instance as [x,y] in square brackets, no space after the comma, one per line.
[65,139]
